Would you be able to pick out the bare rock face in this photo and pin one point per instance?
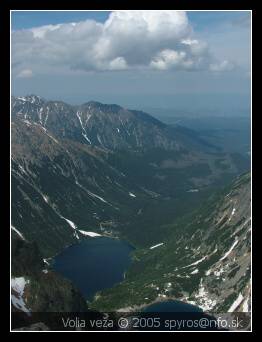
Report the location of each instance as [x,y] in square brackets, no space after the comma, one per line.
[36,287]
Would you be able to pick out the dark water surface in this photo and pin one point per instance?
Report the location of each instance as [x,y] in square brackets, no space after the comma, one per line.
[94,264]
[172,306]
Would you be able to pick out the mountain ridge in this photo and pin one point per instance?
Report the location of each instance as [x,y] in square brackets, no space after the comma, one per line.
[107,126]
[58,176]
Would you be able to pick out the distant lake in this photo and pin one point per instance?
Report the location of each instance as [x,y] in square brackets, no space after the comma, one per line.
[172,306]
[94,264]
[174,312]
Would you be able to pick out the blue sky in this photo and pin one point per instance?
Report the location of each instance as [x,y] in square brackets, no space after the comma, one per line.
[192,54]
[28,19]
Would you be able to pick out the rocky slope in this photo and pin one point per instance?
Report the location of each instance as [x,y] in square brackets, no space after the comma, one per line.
[103,169]
[93,123]
[204,261]
[35,287]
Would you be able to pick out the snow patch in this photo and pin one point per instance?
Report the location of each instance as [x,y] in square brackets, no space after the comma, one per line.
[88,116]
[18,286]
[45,198]
[155,246]
[99,139]
[232,213]
[86,137]
[229,251]
[21,168]
[196,262]
[76,235]
[49,135]
[92,234]
[195,271]
[245,306]
[83,129]
[40,115]
[17,232]
[161,295]
[203,301]
[218,273]
[47,114]
[28,123]
[131,194]
[46,262]
[96,196]
[71,224]
[236,303]
[241,226]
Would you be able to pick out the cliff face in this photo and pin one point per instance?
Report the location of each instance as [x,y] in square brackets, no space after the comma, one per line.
[36,288]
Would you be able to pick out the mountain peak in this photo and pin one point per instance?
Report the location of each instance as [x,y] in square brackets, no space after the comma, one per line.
[105,125]
[112,108]
[34,99]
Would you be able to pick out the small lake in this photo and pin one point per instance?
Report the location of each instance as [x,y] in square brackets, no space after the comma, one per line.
[177,312]
[94,264]
[172,306]
[99,263]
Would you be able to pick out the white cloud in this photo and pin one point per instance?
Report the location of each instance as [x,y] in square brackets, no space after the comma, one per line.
[222,66]
[25,73]
[160,40]
[167,59]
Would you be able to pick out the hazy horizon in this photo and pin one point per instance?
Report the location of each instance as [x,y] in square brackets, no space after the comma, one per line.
[231,105]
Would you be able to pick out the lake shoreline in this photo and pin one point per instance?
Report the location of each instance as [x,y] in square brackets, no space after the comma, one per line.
[137,308]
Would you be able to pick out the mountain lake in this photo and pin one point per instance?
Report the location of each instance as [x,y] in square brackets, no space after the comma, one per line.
[94,264]
[99,263]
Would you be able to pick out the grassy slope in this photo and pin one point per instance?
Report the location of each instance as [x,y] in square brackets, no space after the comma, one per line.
[152,270]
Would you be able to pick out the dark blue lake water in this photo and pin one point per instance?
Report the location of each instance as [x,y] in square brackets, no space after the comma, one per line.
[176,315]
[172,306]
[99,263]
[94,264]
